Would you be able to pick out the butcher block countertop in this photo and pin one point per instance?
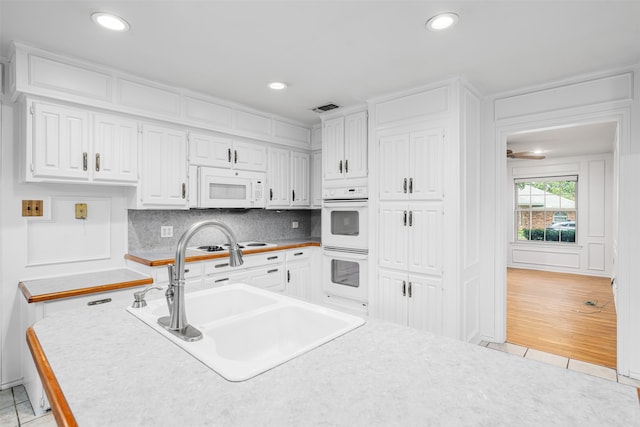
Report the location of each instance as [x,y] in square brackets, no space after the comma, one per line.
[107,368]
[156,258]
[53,288]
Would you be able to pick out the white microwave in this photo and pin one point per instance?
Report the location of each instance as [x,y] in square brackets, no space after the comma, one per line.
[225,188]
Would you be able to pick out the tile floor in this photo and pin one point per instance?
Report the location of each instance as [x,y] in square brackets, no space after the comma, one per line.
[562,362]
[15,410]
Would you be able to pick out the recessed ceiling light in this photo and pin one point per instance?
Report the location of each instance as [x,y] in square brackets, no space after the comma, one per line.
[109,21]
[538,151]
[277,85]
[442,21]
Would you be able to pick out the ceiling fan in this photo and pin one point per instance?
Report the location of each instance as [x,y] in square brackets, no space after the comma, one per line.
[524,155]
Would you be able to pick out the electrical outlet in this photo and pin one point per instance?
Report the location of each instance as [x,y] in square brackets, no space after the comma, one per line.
[294,224]
[166,231]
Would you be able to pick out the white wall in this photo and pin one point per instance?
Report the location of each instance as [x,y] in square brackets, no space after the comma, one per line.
[592,252]
[52,246]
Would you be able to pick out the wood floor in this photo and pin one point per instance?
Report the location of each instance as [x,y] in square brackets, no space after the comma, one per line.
[546,311]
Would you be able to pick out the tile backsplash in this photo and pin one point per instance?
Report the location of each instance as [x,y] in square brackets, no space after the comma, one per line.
[247,224]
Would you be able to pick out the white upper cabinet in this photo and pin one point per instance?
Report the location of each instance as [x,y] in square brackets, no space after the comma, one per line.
[287,179]
[60,142]
[224,152]
[316,180]
[278,195]
[115,156]
[411,165]
[164,167]
[344,148]
[300,174]
[67,144]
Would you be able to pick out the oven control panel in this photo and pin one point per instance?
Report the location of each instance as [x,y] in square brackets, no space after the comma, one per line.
[345,193]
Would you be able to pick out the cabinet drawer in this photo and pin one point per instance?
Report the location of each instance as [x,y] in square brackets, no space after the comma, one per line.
[250,261]
[121,297]
[298,254]
[270,278]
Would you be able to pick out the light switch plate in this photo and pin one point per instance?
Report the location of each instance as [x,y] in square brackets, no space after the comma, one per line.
[32,208]
[81,211]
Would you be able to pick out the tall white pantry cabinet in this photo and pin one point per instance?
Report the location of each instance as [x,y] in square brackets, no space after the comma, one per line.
[424,195]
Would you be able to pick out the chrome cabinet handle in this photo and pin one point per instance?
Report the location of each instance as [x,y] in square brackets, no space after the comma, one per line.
[226,264]
[288,276]
[184,190]
[405,218]
[404,288]
[404,185]
[346,166]
[298,253]
[99,301]
[275,270]
[293,195]
[272,258]
[410,218]
[340,166]
[229,155]
[97,162]
[221,280]
[235,156]
[85,158]
[409,289]
[410,185]
[271,194]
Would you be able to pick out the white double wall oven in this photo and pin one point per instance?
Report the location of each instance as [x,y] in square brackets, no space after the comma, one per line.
[345,240]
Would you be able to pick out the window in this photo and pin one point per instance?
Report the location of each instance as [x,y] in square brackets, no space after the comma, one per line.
[546,209]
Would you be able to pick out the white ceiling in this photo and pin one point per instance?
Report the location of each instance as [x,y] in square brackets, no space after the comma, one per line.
[334,51]
[585,139]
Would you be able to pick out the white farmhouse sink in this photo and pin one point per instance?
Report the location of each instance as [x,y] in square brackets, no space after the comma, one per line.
[247,330]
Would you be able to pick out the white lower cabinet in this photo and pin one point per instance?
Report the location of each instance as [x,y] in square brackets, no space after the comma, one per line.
[298,280]
[409,299]
[34,312]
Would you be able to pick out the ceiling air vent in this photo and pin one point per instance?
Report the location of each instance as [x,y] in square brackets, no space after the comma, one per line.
[324,108]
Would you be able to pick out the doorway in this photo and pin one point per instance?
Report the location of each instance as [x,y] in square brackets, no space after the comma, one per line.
[559,242]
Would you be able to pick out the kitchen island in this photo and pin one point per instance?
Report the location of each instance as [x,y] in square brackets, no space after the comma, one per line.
[112,369]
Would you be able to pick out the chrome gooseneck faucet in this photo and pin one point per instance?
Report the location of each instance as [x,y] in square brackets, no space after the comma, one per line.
[176,322]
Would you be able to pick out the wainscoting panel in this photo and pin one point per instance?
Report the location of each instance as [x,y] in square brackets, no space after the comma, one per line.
[63,238]
[548,257]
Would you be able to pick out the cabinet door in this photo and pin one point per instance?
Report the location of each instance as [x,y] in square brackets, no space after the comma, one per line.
[278,194]
[115,156]
[164,166]
[298,280]
[355,145]
[425,225]
[394,170]
[299,179]
[60,141]
[426,164]
[393,235]
[333,148]
[210,150]
[390,301]
[316,180]
[250,157]
[424,308]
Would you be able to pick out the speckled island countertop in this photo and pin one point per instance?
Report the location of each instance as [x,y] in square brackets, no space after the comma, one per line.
[159,257]
[116,371]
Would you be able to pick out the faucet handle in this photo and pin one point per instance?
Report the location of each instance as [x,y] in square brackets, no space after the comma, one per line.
[138,297]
